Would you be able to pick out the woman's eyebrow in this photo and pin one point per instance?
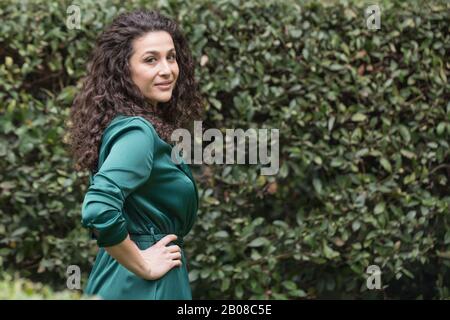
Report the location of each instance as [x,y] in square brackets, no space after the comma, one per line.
[156,52]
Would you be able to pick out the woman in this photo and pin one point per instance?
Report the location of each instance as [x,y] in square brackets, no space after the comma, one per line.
[140,86]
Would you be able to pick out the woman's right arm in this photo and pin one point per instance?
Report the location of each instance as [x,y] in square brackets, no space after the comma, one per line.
[127,166]
[149,264]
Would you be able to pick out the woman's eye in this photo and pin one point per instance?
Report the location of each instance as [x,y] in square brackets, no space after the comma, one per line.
[150,60]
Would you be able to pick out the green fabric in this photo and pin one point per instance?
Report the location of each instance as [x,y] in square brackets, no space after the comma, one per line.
[140,191]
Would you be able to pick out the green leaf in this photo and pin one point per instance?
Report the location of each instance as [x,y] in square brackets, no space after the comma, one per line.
[356,225]
[290,285]
[193,275]
[336,67]
[385,164]
[317,185]
[318,160]
[405,133]
[379,208]
[18,232]
[440,128]
[359,117]
[221,234]
[8,61]
[258,242]
[337,162]
[296,33]
[225,284]
[329,253]
[407,154]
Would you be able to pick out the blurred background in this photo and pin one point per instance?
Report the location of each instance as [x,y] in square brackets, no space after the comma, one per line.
[364,120]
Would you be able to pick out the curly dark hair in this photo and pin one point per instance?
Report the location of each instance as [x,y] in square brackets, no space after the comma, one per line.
[108,89]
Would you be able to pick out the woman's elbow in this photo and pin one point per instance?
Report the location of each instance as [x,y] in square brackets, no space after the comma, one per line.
[89,214]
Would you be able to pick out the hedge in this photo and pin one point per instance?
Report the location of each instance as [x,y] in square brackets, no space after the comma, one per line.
[16,288]
[364,120]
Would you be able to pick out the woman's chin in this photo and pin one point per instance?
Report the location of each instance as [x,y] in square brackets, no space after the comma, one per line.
[165,99]
[161,98]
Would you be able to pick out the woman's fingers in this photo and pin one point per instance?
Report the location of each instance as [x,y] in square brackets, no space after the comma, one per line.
[176,263]
[175,255]
[174,248]
[167,239]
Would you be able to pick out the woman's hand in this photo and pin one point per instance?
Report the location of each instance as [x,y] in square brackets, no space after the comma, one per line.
[160,258]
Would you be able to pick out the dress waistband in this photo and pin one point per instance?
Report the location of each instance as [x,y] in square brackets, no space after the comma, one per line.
[155,237]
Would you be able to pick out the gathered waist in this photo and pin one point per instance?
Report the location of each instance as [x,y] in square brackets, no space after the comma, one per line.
[153,237]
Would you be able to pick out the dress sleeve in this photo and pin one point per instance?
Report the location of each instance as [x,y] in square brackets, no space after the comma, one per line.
[127,166]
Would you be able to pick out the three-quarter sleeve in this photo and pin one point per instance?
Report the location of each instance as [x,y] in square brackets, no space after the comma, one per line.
[127,166]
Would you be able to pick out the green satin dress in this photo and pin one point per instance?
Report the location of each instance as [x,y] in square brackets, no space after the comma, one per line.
[138,190]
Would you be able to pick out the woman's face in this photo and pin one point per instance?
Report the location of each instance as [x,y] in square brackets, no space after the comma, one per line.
[153,63]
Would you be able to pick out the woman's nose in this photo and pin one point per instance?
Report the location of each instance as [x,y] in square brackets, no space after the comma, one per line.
[165,67]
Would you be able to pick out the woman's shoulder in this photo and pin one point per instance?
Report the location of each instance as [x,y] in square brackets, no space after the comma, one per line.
[123,122]
[121,125]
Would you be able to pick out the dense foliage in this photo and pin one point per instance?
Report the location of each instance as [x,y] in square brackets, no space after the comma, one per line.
[364,119]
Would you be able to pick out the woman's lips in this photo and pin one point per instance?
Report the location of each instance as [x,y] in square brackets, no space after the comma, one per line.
[164,86]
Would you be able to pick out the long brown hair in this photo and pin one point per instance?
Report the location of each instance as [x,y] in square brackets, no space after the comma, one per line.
[108,90]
